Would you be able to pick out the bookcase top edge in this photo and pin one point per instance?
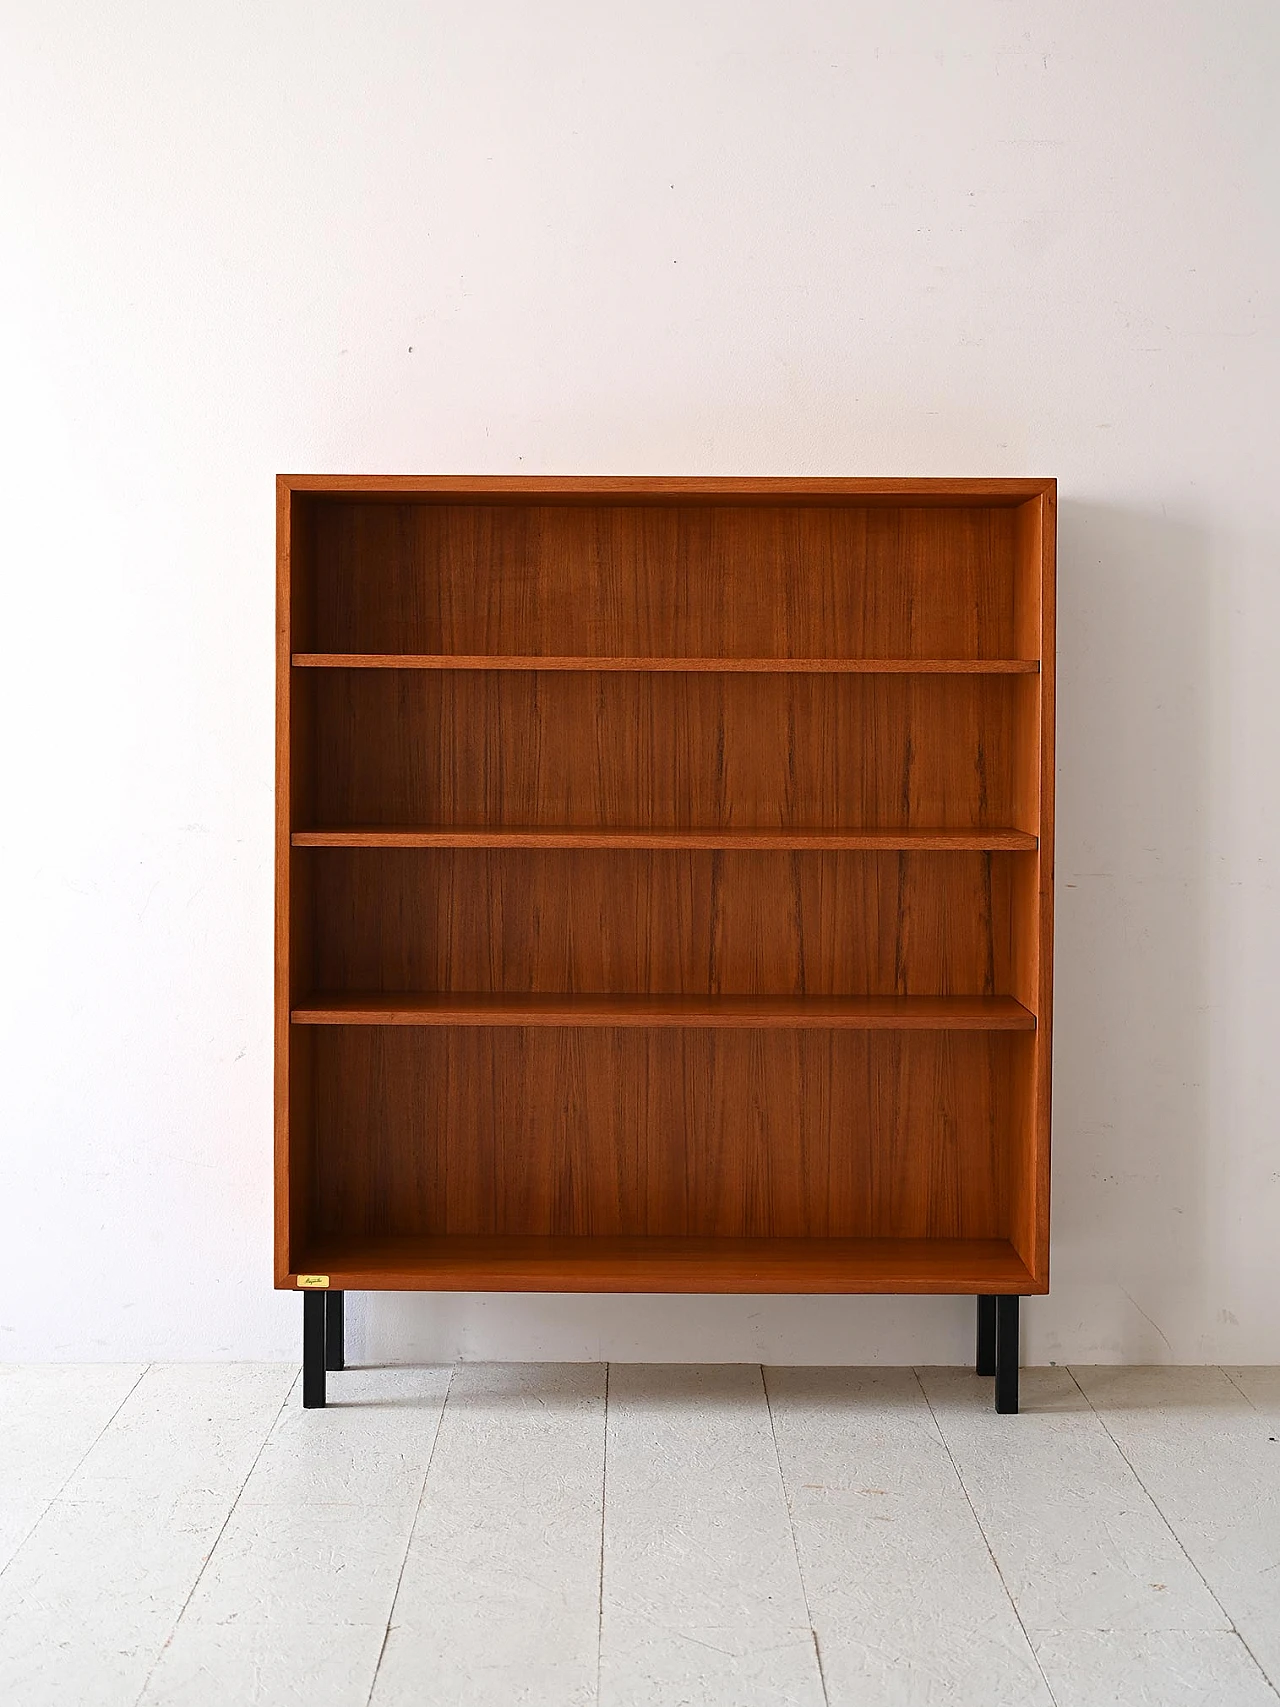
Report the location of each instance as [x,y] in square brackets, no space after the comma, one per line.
[942,491]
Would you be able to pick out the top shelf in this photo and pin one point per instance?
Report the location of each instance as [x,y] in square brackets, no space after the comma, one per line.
[758,666]
[667,489]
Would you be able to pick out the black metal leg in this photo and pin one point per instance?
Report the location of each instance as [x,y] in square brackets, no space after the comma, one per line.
[334,1338]
[313,1320]
[986,1336]
[1007,1355]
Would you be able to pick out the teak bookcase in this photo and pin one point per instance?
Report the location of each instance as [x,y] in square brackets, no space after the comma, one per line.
[664,890]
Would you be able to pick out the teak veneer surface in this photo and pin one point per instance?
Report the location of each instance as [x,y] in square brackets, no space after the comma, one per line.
[664,884]
[679,1132]
[705,666]
[813,1013]
[463,1264]
[664,752]
[678,581]
[677,923]
[674,841]
[898,492]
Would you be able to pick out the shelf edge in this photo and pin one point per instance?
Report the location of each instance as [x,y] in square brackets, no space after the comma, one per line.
[585,838]
[908,1013]
[666,1265]
[720,666]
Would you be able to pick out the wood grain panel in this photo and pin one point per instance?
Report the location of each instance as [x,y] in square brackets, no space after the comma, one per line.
[679,841]
[671,852]
[683,579]
[1029,1151]
[719,1013]
[288,1154]
[634,663]
[663,751]
[942,492]
[515,1264]
[691,923]
[712,1133]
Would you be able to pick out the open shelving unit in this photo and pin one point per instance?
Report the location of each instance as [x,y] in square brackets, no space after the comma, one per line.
[664,888]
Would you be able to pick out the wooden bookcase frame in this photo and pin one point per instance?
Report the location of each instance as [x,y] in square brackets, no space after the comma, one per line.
[664,894]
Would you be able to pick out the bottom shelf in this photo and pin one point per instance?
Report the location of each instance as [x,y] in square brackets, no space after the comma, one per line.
[533,1264]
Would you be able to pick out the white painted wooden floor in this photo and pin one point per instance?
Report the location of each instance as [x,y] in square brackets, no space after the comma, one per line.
[187,1536]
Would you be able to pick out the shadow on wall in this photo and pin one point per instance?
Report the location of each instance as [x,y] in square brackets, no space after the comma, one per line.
[1131,1156]
[1131,1049]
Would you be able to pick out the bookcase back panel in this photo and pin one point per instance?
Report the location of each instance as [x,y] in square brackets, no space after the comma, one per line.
[691,1133]
[658,750]
[683,923]
[663,580]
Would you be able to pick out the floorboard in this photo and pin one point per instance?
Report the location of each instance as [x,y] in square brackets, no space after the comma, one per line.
[908,1605]
[90,1597]
[1081,1545]
[500,1597]
[1206,1449]
[294,1602]
[702,1594]
[574,1535]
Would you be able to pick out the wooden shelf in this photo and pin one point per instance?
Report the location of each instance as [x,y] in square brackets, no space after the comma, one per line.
[718,666]
[591,491]
[762,841]
[713,1013]
[549,1264]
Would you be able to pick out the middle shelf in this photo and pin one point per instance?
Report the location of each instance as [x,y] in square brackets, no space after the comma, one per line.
[590,663]
[814,1013]
[1004,840]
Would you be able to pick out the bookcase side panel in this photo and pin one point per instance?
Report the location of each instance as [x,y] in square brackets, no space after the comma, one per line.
[284,860]
[1029,1182]
[296,767]
[1038,1241]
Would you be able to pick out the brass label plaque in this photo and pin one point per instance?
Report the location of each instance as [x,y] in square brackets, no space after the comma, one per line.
[313,1281]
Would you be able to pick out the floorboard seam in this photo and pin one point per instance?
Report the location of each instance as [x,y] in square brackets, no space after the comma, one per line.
[1239,1389]
[1177,1539]
[413,1529]
[986,1542]
[795,1545]
[222,1529]
[604,1495]
[54,1498]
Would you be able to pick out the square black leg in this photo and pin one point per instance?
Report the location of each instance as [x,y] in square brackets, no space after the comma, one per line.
[1007,1355]
[334,1337]
[986,1360]
[313,1320]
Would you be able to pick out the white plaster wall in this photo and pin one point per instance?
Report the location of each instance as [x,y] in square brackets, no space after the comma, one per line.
[931,237]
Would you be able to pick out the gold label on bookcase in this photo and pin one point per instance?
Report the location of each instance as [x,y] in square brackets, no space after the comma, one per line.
[313,1282]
